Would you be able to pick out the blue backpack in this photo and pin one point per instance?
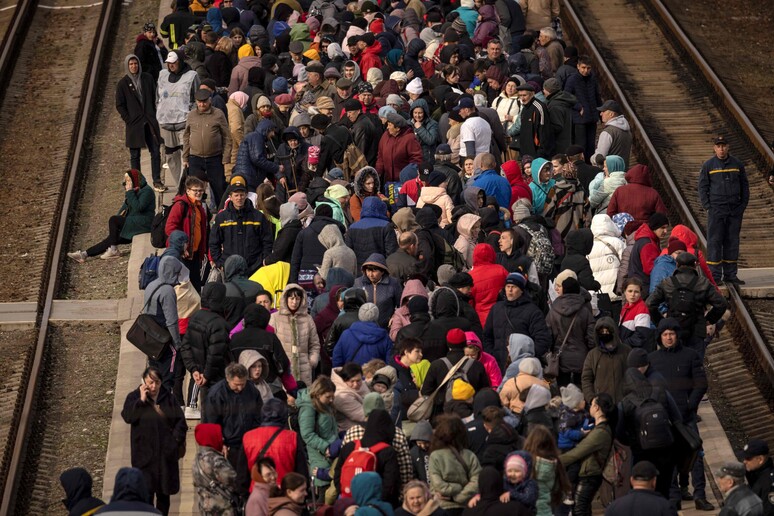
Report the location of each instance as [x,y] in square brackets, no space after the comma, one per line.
[149,270]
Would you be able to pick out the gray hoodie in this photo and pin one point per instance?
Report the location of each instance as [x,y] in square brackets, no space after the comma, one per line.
[519,347]
[160,298]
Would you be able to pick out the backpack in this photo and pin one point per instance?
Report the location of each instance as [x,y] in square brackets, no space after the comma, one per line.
[359,461]
[682,304]
[352,161]
[446,254]
[540,249]
[159,223]
[461,374]
[654,429]
[149,270]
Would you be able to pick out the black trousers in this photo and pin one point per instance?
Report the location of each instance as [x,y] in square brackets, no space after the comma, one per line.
[115,225]
[585,493]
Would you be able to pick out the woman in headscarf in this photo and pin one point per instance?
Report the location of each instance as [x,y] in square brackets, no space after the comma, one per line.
[237,102]
[606,182]
[393,62]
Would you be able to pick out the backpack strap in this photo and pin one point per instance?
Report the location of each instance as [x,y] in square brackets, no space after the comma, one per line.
[266,446]
[566,335]
[376,448]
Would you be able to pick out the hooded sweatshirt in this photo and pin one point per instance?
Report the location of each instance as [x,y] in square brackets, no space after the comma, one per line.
[130,494]
[249,357]
[402,317]
[579,244]
[539,190]
[77,484]
[466,241]
[605,365]
[488,280]
[337,253]
[520,346]
[160,298]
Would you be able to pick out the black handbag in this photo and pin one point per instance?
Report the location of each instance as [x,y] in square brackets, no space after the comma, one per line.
[147,335]
[687,445]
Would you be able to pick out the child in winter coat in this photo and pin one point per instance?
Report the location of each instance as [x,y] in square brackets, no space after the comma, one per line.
[603,186]
[468,227]
[475,349]
[420,450]
[518,483]
[574,423]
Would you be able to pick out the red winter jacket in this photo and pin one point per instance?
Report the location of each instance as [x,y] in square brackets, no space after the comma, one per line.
[519,187]
[488,280]
[193,215]
[644,253]
[690,240]
[369,58]
[284,450]
[637,197]
[395,152]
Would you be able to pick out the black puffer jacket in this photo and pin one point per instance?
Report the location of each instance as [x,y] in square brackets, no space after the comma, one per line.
[236,413]
[240,291]
[451,308]
[353,299]
[308,251]
[581,336]
[206,342]
[255,337]
[519,316]
[578,245]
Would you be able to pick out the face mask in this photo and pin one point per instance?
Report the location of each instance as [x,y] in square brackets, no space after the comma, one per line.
[605,337]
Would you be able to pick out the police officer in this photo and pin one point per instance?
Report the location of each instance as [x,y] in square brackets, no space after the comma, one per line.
[724,193]
[759,471]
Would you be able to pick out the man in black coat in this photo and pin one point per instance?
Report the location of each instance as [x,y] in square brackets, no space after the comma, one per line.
[77,484]
[149,49]
[759,471]
[335,140]
[366,129]
[136,103]
[686,381]
[205,344]
[476,374]
[450,305]
[643,500]
[431,333]
[235,404]
[517,314]
[308,251]
[535,138]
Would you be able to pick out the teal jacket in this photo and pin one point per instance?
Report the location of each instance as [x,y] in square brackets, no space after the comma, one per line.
[318,430]
[139,209]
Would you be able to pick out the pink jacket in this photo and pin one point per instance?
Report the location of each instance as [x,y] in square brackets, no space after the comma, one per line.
[488,361]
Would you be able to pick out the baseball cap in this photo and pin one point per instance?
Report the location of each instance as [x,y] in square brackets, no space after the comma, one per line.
[172,57]
[464,102]
[720,140]
[755,447]
[644,470]
[610,105]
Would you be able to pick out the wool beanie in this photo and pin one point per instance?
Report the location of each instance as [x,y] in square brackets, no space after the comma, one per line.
[418,305]
[675,244]
[459,280]
[371,402]
[657,220]
[570,286]
[638,357]
[530,366]
[382,379]
[686,258]
[516,461]
[369,312]
[445,273]
[517,279]
[462,390]
[572,396]
[455,338]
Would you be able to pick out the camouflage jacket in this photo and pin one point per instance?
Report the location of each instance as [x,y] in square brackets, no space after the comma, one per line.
[214,480]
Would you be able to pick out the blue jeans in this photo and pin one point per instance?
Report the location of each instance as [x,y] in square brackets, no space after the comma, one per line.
[216,174]
[153,148]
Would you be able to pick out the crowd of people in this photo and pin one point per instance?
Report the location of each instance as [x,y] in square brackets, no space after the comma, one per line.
[403,275]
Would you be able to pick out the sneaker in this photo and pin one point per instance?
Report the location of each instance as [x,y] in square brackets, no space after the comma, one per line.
[78,256]
[703,505]
[734,281]
[110,254]
[685,494]
[192,413]
[159,186]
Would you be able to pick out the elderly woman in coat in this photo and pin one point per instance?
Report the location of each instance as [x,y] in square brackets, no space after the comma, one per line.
[157,436]
[295,329]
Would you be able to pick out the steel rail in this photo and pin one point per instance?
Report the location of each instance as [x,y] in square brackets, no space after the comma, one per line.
[96,72]
[756,344]
[12,40]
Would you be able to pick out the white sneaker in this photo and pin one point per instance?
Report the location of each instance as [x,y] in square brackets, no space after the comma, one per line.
[192,413]
[110,253]
[78,256]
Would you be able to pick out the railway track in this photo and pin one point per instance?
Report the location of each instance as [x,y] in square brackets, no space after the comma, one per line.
[675,104]
[47,107]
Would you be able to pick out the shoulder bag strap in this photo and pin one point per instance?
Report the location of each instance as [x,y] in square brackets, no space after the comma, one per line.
[147,303]
[459,458]
[609,247]
[566,335]
[449,375]
[266,446]
[515,384]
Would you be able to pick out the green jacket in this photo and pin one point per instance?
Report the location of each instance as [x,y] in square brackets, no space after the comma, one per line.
[453,480]
[318,430]
[139,208]
[545,474]
[592,450]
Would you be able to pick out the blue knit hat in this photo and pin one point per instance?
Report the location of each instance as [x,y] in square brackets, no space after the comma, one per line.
[279,85]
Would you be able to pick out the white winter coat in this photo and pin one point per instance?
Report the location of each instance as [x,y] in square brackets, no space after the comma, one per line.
[605,256]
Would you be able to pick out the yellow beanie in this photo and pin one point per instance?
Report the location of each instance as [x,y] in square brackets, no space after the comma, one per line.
[245,50]
[312,54]
[462,390]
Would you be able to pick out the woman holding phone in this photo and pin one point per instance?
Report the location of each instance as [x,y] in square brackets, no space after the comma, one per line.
[157,436]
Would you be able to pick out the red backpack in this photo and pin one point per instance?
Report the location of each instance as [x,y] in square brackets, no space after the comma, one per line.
[359,461]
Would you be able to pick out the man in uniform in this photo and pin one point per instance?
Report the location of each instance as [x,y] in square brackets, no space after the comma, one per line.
[760,472]
[724,193]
